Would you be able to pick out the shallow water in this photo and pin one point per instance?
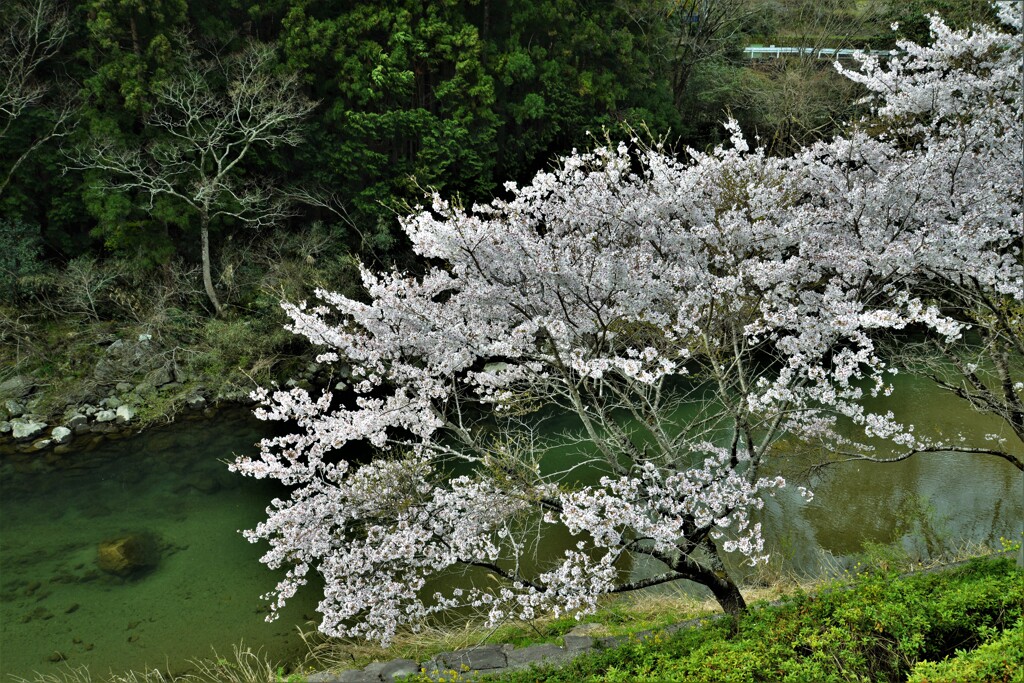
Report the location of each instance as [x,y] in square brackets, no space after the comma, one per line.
[928,504]
[56,606]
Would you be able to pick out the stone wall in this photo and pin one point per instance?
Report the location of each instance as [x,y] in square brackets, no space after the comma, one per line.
[494,659]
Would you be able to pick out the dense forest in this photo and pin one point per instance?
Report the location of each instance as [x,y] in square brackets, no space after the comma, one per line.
[176,168]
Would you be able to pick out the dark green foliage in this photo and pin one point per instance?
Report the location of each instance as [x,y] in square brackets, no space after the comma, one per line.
[912,15]
[132,47]
[564,69]
[457,95]
[20,251]
[1000,660]
[879,630]
[407,101]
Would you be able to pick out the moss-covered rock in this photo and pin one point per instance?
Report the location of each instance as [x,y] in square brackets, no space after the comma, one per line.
[128,554]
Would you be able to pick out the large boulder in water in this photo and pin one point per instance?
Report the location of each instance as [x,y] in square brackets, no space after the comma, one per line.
[128,554]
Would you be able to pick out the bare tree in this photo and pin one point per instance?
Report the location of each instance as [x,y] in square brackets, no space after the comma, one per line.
[800,98]
[796,101]
[33,31]
[698,30]
[705,30]
[202,135]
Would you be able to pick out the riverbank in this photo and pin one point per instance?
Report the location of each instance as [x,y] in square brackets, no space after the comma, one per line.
[958,622]
[126,381]
[120,350]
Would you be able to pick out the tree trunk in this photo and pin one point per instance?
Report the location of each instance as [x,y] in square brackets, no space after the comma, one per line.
[204,231]
[485,28]
[728,596]
[136,47]
[715,577]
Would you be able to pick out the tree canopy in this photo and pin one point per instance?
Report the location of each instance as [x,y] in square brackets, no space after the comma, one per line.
[622,288]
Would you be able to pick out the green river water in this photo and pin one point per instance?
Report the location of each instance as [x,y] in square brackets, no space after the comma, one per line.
[58,609]
[205,591]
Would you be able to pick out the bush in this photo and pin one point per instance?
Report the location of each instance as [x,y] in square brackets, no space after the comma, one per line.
[998,661]
[20,252]
[883,628]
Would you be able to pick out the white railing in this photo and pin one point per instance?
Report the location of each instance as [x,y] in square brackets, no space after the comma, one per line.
[775,52]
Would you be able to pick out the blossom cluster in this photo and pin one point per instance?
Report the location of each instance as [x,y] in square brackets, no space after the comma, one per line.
[620,288]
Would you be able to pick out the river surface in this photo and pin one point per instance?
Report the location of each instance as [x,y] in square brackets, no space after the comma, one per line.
[57,608]
[205,591]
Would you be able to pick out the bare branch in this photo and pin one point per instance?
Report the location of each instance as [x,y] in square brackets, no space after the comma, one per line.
[850,456]
[33,32]
[203,138]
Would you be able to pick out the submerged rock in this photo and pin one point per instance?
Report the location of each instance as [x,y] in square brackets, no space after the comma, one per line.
[128,554]
[204,483]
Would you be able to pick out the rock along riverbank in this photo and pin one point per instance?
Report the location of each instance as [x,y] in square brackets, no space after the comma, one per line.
[134,383]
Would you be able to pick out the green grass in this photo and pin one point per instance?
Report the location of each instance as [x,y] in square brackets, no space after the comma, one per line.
[963,624]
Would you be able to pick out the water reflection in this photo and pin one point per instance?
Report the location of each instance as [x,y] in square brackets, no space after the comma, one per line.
[929,503]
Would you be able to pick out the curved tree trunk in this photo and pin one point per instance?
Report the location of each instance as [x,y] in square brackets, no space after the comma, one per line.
[715,578]
[204,232]
[728,596]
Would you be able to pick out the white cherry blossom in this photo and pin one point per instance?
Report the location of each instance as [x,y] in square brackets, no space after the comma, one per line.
[687,315]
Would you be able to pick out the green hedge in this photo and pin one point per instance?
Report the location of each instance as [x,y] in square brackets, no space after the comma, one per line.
[884,628]
[998,661]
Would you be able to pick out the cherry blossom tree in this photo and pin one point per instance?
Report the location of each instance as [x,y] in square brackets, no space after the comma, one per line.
[620,289]
[948,181]
[688,316]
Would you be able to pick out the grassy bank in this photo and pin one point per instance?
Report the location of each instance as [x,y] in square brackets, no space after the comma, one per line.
[964,623]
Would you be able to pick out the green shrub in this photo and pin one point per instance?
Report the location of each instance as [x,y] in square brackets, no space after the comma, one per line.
[998,661]
[241,350]
[20,257]
[878,629]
